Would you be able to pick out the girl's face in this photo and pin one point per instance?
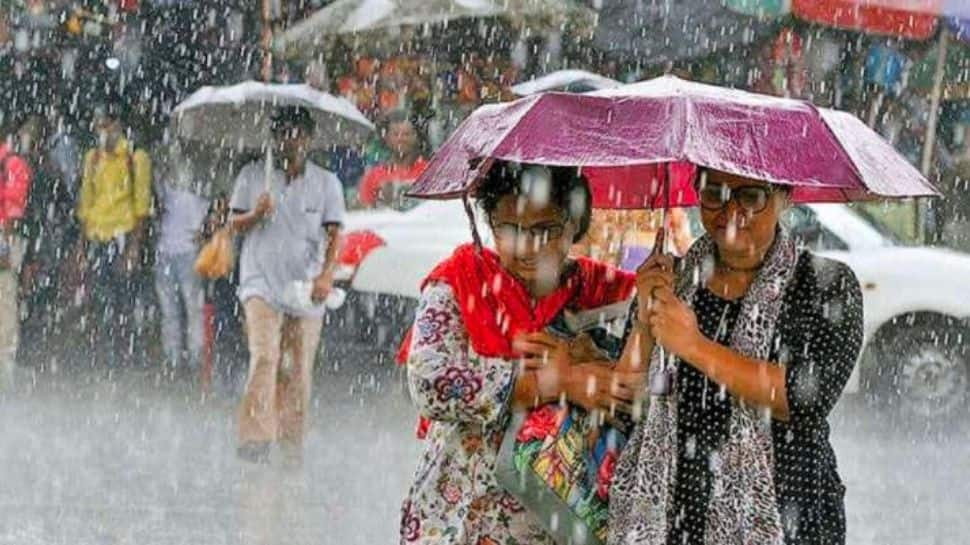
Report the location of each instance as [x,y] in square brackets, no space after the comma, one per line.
[741,214]
[533,239]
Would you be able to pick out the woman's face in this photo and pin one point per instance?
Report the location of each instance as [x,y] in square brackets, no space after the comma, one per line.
[533,239]
[741,214]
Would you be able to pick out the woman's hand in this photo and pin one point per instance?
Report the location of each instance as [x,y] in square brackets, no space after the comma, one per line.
[549,357]
[674,325]
[583,349]
[598,387]
[657,272]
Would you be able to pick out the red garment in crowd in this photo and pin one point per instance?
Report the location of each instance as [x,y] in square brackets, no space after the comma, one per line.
[382,174]
[496,308]
[15,179]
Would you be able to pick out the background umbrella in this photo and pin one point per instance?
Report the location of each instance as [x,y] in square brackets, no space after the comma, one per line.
[361,16]
[665,32]
[622,138]
[572,81]
[886,17]
[238,116]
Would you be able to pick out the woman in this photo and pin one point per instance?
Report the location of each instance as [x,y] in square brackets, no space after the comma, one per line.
[764,337]
[477,348]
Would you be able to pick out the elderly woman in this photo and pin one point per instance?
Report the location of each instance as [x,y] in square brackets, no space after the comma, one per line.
[758,339]
[478,347]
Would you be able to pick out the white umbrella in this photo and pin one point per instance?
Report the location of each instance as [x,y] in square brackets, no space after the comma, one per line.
[565,79]
[353,16]
[238,116]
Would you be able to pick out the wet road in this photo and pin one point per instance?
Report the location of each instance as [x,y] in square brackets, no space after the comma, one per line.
[94,459]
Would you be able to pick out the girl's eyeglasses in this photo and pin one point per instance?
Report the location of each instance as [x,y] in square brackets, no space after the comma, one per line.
[542,233]
[751,198]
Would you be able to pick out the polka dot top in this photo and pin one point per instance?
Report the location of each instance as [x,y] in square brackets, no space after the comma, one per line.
[818,340]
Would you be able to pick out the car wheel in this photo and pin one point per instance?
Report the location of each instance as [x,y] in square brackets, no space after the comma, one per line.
[922,373]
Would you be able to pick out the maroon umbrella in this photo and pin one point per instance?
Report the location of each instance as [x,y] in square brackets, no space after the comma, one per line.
[626,140]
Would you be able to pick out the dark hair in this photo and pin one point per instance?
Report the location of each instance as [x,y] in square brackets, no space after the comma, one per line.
[569,191]
[112,106]
[289,117]
[397,116]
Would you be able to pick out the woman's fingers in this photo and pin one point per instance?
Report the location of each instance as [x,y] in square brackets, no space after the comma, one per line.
[661,264]
[531,348]
[541,338]
[533,364]
[665,296]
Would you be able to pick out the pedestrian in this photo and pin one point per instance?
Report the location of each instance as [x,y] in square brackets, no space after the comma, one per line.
[15,179]
[289,214]
[735,447]
[114,204]
[52,229]
[383,184]
[181,292]
[482,313]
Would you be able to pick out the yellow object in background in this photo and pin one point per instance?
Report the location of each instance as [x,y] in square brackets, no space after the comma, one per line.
[216,258]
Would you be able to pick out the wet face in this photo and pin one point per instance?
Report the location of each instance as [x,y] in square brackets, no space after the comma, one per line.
[292,143]
[741,214]
[533,240]
[401,138]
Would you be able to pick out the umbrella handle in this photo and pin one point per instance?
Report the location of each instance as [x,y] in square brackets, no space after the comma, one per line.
[268,170]
[666,209]
[476,238]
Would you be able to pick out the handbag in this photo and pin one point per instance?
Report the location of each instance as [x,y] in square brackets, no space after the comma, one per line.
[216,258]
[557,459]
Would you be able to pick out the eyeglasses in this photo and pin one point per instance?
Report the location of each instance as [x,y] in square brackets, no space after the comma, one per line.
[542,233]
[751,198]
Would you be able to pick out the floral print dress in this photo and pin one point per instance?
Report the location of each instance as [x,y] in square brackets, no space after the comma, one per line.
[455,499]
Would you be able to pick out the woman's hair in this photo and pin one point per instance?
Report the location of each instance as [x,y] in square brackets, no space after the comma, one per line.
[568,190]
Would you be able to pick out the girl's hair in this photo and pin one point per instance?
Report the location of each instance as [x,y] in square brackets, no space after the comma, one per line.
[568,190]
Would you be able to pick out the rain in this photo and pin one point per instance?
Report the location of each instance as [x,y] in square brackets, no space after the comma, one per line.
[484,272]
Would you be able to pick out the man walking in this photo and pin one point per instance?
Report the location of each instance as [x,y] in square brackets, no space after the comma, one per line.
[290,215]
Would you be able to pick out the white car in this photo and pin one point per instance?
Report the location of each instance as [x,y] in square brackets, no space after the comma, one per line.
[917,299]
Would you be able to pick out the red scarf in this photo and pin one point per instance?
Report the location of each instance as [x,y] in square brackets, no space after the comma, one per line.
[496,308]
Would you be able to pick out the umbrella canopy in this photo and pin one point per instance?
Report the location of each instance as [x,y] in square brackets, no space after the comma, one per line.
[623,138]
[912,19]
[238,116]
[661,32]
[354,16]
[573,81]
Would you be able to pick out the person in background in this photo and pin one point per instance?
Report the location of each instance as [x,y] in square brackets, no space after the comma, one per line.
[289,216]
[52,230]
[384,183]
[181,293]
[15,179]
[114,203]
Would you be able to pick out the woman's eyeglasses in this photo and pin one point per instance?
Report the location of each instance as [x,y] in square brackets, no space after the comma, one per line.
[751,198]
[542,233]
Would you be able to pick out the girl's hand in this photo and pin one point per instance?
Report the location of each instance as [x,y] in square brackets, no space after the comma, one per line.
[549,357]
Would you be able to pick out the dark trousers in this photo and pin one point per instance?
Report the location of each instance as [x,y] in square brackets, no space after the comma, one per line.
[112,295]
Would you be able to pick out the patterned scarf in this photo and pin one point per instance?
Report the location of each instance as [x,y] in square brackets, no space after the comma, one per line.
[742,507]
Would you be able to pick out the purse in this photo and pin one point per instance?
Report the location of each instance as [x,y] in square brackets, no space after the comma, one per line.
[557,459]
[216,258]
